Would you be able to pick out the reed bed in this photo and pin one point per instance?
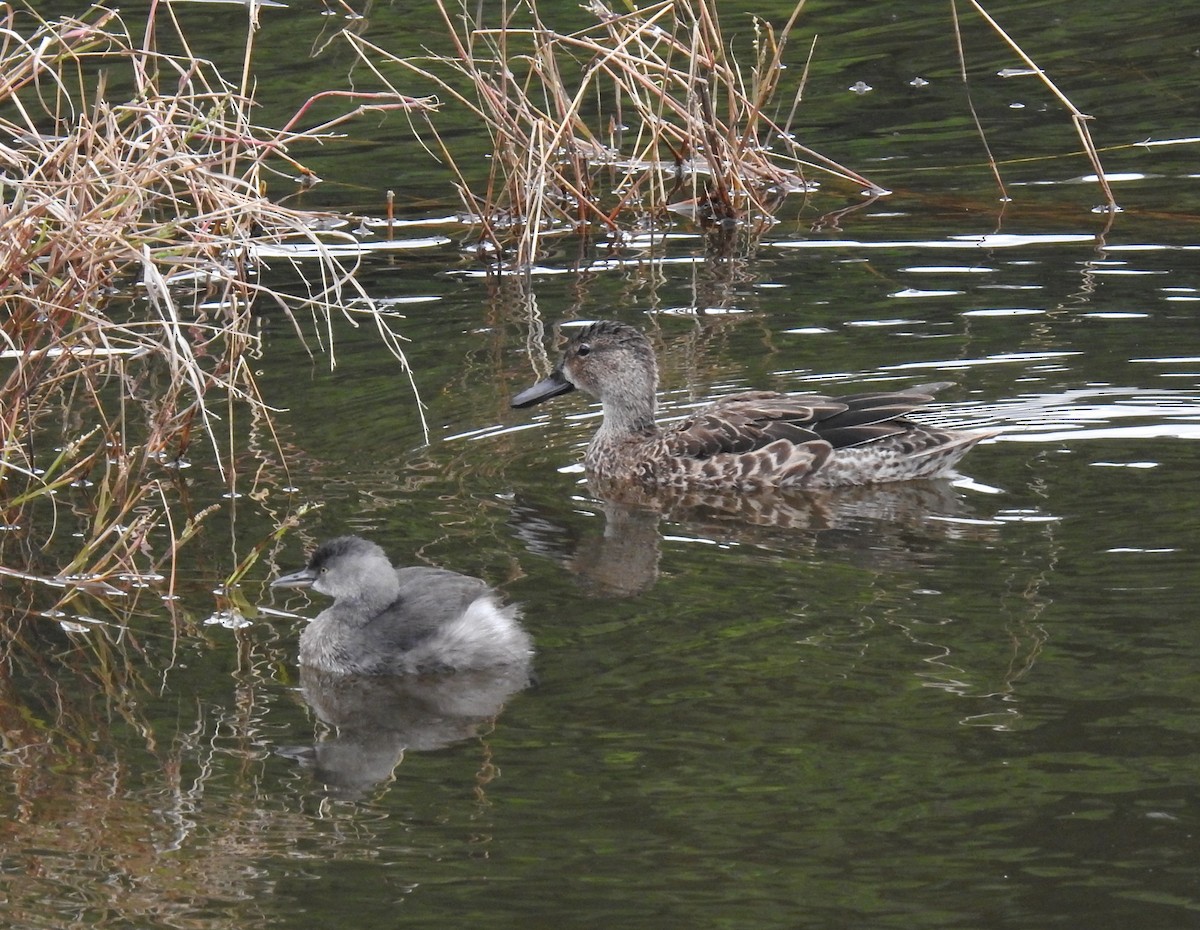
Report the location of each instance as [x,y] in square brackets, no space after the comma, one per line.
[138,173]
[650,114]
[646,114]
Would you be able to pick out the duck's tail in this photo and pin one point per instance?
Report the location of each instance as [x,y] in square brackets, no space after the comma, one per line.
[486,635]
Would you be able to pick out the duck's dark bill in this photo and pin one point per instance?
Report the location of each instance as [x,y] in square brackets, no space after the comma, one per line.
[553,386]
[301,579]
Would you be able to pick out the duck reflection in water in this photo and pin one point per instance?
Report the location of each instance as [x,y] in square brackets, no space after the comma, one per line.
[875,527]
[405,658]
[376,719]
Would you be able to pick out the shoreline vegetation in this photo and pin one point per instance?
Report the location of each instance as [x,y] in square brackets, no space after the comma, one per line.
[654,115]
[136,227]
[133,219]
[618,129]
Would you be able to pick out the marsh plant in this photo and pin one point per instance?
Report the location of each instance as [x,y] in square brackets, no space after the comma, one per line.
[135,215]
[653,114]
[616,127]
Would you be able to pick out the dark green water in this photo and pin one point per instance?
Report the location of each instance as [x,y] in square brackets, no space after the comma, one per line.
[967,705]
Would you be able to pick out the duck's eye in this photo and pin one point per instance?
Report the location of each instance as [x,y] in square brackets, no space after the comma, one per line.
[583,350]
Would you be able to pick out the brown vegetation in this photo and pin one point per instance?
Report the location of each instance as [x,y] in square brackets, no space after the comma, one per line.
[131,236]
[652,112]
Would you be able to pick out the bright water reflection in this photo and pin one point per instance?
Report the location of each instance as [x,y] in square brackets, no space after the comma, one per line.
[965,704]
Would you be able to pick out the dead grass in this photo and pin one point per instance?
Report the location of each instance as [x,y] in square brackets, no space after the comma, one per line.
[617,127]
[652,113]
[1079,119]
[135,171]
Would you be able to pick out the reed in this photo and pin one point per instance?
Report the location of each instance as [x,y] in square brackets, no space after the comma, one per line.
[649,114]
[1079,119]
[133,171]
[616,127]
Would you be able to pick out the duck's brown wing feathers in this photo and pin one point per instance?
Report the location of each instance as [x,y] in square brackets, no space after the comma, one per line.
[743,423]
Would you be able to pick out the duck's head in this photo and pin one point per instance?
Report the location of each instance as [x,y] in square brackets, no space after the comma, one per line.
[346,567]
[611,361]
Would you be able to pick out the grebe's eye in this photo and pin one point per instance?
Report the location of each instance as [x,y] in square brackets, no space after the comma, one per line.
[584,350]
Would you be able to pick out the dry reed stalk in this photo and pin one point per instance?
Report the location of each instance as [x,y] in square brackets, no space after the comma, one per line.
[1079,119]
[688,128]
[613,127]
[163,189]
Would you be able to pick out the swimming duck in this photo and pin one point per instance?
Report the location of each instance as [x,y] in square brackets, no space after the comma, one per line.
[749,441]
[396,621]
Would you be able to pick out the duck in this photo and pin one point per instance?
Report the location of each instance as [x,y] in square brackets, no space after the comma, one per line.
[386,620]
[751,441]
